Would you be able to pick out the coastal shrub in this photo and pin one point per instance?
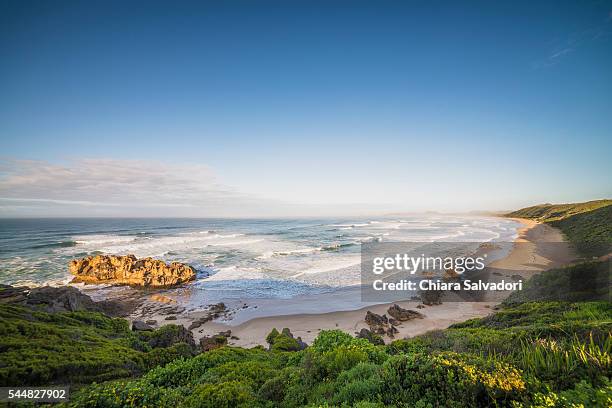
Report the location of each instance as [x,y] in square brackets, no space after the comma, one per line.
[40,348]
[457,379]
[189,371]
[358,391]
[251,372]
[582,395]
[590,232]
[273,390]
[119,394]
[587,225]
[283,342]
[330,339]
[359,384]
[563,363]
[412,345]
[581,282]
[342,358]
[271,336]
[228,394]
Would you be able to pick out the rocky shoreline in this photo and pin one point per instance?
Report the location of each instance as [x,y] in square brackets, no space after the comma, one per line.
[129,270]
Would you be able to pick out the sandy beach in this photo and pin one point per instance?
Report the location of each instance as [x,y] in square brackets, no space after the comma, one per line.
[538,247]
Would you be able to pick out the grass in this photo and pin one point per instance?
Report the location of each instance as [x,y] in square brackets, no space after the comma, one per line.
[588,226]
[574,283]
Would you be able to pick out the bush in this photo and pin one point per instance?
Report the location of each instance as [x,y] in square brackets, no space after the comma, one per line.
[563,363]
[329,339]
[282,342]
[221,395]
[40,348]
[459,380]
[271,336]
[582,395]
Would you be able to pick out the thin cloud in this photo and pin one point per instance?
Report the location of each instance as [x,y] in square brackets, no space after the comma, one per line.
[102,183]
[574,41]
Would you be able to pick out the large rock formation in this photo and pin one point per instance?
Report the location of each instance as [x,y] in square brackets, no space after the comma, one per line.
[63,299]
[128,270]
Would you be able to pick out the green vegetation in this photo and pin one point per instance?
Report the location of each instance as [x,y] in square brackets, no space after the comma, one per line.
[587,225]
[574,283]
[282,341]
[41,348]
[527,354]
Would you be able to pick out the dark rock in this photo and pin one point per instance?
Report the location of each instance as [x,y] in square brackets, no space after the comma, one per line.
[392,331]
[402,314]
[420,307]
[370,336]
[199,322]
[139,325]
[170,318]
[172,334]
[393,322]
[431,297]
[63,299]
[226,333]
[119,308]
[301,343]
[375,320]
[208,343]
[217,308]
[13,294]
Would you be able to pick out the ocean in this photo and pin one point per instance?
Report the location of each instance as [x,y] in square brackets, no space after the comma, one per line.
[234,258]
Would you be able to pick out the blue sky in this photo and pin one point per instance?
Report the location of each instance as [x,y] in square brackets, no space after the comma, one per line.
[302,108]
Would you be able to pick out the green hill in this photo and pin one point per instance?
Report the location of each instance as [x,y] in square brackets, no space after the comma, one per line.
[528,354]
[40,348]
[588,226]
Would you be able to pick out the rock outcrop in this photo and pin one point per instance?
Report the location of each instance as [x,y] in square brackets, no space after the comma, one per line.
[62,299]
[370,336]
[139,325]
[208,343]
[128,270]
[375,320]
[401,314]
[431,297]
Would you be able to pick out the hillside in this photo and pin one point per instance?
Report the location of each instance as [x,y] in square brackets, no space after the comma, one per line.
[41,348]
[588,226]
[527,354]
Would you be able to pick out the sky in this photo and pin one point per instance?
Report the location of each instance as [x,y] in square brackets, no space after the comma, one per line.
[291,108]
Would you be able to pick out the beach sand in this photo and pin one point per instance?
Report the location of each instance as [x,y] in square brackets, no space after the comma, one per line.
[531,253]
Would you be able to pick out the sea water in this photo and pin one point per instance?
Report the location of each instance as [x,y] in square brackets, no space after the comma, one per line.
[234,258]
